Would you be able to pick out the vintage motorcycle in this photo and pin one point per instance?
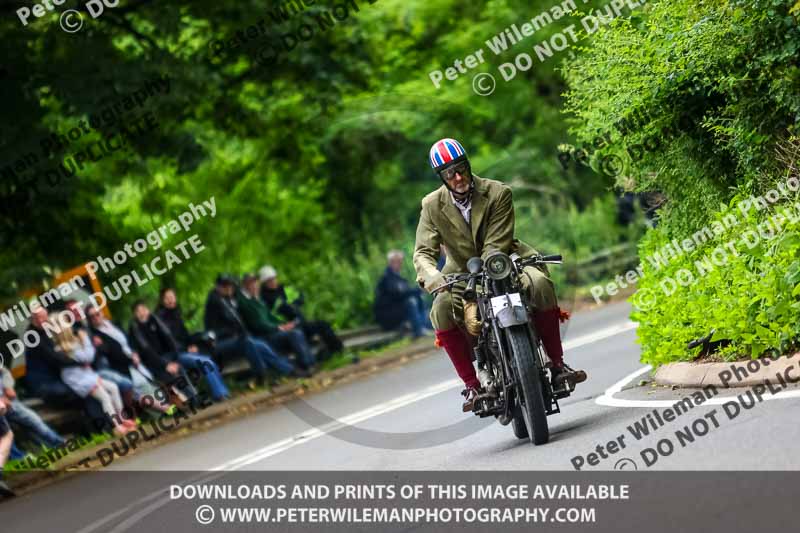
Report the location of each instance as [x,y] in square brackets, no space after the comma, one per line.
[512,369]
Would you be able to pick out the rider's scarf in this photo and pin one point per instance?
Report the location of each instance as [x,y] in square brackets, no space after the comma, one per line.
[464,205]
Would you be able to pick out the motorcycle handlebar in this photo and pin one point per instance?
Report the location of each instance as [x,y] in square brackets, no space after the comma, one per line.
[554,257]
[539,259]
[469,292]
[472,279]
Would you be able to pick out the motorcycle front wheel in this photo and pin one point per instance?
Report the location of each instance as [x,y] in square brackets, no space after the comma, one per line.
[518,422]
[529,386]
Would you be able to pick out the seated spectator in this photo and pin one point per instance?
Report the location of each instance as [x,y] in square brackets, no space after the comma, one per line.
[151,336]
[84,381]
[43,373]
[100,364]
[112,346]
[398,302]
[222,317]
[171,314]
[289,309]
[261,323]
[24,417]
[6,441]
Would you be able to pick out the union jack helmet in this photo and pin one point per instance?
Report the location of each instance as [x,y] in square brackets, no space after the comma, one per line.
[445,153]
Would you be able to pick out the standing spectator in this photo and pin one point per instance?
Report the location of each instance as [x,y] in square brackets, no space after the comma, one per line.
[23,416]
[6,441]
[84,381]
[261,323]
[222,317]
[275,297]
[43,372]
[152,336]
[397,301]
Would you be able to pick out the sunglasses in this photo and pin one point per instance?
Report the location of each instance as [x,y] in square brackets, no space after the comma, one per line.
[461,168]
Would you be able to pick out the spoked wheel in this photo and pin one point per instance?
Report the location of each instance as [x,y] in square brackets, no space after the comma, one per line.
[530,401]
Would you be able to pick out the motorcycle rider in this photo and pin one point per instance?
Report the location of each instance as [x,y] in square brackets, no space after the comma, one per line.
[473,216]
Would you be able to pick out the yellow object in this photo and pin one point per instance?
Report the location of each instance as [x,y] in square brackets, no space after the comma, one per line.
[471,320]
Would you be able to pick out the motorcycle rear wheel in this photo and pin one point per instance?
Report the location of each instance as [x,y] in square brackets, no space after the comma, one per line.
[530,386]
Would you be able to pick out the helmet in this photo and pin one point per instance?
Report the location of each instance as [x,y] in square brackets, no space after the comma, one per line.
[445,153]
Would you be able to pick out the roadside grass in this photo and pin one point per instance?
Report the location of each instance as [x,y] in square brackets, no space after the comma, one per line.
[21,465]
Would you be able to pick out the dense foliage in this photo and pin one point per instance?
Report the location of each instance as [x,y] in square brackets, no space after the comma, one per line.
[711,87]
[317,160]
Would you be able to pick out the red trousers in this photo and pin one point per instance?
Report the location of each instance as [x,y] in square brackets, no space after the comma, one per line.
[457,345]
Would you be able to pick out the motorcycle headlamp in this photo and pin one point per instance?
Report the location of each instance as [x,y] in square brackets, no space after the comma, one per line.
[498,266]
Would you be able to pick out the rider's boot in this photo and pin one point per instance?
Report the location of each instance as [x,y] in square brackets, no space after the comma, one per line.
[455,343]
[546,323]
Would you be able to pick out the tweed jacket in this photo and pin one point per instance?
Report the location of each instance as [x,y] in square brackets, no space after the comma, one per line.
[491,228]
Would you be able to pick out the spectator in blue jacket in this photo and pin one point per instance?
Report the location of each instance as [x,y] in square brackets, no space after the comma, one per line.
[398,302]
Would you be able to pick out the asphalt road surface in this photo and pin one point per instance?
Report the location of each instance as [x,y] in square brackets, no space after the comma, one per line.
[408,418]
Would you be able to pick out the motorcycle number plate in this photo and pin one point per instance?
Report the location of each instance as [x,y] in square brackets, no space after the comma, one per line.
[501,302]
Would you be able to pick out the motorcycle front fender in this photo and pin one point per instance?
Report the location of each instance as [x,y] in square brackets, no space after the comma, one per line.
[512,316]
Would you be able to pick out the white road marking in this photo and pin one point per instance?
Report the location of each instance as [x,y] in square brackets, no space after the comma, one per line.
[608,399]
[600,335]
[355,418]
[386,407]
[314,433]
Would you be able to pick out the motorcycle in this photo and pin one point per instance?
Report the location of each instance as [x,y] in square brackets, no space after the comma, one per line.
[512,368]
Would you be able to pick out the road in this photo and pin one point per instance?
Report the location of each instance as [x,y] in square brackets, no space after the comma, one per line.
[408,418]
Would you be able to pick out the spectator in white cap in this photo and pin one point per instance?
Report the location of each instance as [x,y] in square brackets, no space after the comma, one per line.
[286,303]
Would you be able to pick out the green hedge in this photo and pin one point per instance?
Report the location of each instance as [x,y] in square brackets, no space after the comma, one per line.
[744,283]
[721,78]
